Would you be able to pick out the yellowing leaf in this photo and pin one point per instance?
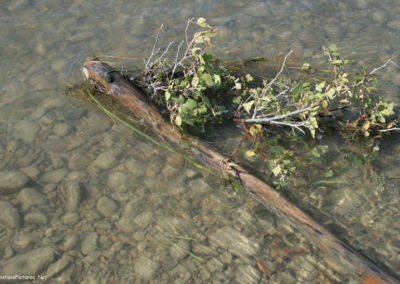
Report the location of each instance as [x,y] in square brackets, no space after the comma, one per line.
[365,126]
[388,110]
[306,66]
[195,81]
[178,120]
[330,93]
[247,106]
[249,78]
[277,170]
[167,96]
[217,79]
[250,153]
[320,86]
[202,23]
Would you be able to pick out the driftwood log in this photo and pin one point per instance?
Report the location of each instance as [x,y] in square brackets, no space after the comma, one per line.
[114,84]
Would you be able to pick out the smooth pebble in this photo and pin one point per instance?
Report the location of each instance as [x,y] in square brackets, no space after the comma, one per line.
[31,263]
[106,206]
[26,130]
[9,215]
[30,197]
[12,182]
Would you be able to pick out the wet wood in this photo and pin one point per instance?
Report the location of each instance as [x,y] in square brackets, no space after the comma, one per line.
[115,85]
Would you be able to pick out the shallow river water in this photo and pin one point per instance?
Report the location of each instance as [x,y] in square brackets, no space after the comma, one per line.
[84,200]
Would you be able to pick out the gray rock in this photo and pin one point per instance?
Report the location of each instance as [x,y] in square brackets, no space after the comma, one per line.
[61,129]
[73,196]
[144,219]
[54,176]
[116,180]
[26,130]
[59,265]
[395,24]
[35,218]
[125,223]
[59,65]
[9,215]
[31,263]
[235,242]
[215,264]
[106,206]
[179,250]
[93,257]
[71,241]
[107,160]
[70,218]
[29,197]
[11,182]
[145,267]
[200,249]
[247,274]
[89,243]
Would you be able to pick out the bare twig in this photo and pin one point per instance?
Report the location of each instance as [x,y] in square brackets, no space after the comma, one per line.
[176,59]
[389,61]
[390,129]
[153,52]
[266,89]
[279,117]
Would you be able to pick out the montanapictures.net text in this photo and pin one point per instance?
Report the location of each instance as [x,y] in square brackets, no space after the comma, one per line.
[23,277]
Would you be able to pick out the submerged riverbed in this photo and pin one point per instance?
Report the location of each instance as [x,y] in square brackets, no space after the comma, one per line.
[85,200]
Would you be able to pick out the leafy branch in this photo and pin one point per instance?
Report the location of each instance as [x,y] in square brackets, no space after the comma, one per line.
[195,89]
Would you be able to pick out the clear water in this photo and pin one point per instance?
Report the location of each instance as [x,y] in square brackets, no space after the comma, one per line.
[173,222]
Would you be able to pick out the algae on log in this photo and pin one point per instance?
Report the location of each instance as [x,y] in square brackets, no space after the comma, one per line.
[114,84]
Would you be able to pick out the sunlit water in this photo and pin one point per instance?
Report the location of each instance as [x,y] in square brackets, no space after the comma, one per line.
[102,204]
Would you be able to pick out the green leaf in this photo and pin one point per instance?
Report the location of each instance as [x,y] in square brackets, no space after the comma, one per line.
[320,87]
[207,79]
[332,47]
[217,79]
[330,93]
[236,100]
[202,23]
[388,110]
[250,153]
[206,101]
[277,170]
[247,106]
[167,96]
[190,104]
[306,67]
[178,120]
[248,78]
[195,81]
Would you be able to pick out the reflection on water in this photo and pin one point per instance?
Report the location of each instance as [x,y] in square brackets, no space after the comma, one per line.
[83,199]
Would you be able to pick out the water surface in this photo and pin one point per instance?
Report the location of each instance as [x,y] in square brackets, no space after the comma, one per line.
[143,214]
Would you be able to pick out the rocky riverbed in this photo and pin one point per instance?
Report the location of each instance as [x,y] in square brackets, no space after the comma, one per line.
[115,208]
[84,200]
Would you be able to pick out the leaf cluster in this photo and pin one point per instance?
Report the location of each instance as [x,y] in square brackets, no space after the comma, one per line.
[195,90]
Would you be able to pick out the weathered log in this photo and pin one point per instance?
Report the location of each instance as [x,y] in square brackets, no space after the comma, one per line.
[115,85]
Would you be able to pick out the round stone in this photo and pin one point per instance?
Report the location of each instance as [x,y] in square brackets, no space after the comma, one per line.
[30,197]
[106,206]
[30,263]
[9,215]
[26,130]
[12,182]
